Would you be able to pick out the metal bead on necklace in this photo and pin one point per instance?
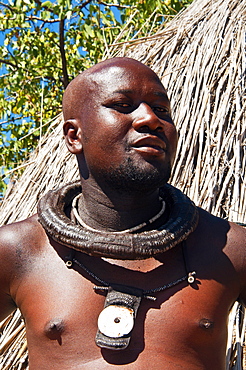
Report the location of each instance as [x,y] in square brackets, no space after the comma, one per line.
[132,229]
[190,277]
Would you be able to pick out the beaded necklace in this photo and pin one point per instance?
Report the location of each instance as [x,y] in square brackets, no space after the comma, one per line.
[132,229]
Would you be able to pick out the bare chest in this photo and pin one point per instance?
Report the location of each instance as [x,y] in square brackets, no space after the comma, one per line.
[61,310]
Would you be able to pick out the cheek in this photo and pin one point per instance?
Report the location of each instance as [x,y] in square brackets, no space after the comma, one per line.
[172,136]
[104,146]
[105,125]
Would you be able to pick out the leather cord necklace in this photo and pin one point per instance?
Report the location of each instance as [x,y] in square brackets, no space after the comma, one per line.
[190,277]
[116,321]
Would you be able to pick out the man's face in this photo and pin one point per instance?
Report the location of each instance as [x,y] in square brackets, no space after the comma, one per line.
[128,137]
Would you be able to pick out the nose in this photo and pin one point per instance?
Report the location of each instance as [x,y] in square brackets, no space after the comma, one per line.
[144,117]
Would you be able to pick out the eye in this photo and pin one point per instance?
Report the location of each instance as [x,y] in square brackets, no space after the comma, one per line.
[122,107]
[161,111]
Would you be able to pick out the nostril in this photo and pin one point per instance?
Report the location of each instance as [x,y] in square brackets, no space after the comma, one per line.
[144,129]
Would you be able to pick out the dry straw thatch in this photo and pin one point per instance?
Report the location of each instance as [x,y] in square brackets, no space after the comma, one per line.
[200,56]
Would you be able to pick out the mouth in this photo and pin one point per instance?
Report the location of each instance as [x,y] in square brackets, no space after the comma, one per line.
[150,145]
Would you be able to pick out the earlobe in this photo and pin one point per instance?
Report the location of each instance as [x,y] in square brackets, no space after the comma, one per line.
[72,135]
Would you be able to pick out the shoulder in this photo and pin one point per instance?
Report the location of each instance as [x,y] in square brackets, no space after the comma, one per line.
[20,242]
[214,229]
[237,235]
[229,235]
[237,246]
[224,241]
[236,242]
[20,235]
[217,227]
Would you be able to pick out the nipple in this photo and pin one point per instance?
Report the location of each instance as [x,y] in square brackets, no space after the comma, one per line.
[54,328]
[206,324]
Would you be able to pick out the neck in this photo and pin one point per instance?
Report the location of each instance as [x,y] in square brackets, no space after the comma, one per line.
[114,211]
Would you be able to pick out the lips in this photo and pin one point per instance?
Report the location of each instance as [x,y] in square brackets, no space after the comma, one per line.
[150,145]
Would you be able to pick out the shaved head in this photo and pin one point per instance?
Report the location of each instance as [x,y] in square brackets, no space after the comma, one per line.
[82,87]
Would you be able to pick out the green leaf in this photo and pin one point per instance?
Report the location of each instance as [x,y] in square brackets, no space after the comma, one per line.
[47,4]
[89,30]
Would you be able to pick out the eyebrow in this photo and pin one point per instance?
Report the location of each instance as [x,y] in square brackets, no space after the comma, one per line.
[161,94]
[123,92]
[157,93]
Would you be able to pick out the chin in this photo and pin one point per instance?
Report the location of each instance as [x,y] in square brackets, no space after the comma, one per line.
[131,178]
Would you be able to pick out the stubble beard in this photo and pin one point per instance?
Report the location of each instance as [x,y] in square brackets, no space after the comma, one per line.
[130,178]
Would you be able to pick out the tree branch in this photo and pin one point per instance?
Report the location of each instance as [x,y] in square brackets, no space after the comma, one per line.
[39,3]
[117,5]
[85,4]
[6,6]
[14,65]
[31,17]
[11,120]
[9,63]
[62,52]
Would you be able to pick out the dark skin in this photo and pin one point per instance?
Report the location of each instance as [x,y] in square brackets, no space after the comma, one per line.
[114,128]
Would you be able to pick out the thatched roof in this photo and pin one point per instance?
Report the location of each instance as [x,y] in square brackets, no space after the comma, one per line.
[200,57]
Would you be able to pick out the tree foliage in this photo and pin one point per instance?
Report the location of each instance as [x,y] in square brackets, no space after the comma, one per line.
[47,43]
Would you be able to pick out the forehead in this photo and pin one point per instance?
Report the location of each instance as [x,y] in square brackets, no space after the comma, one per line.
[135,78]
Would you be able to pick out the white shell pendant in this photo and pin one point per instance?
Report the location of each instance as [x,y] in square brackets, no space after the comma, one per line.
[116,321]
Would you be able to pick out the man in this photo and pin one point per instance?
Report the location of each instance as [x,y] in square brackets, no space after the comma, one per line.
[127,272]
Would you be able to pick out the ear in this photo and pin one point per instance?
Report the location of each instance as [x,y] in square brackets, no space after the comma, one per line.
[72,135]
